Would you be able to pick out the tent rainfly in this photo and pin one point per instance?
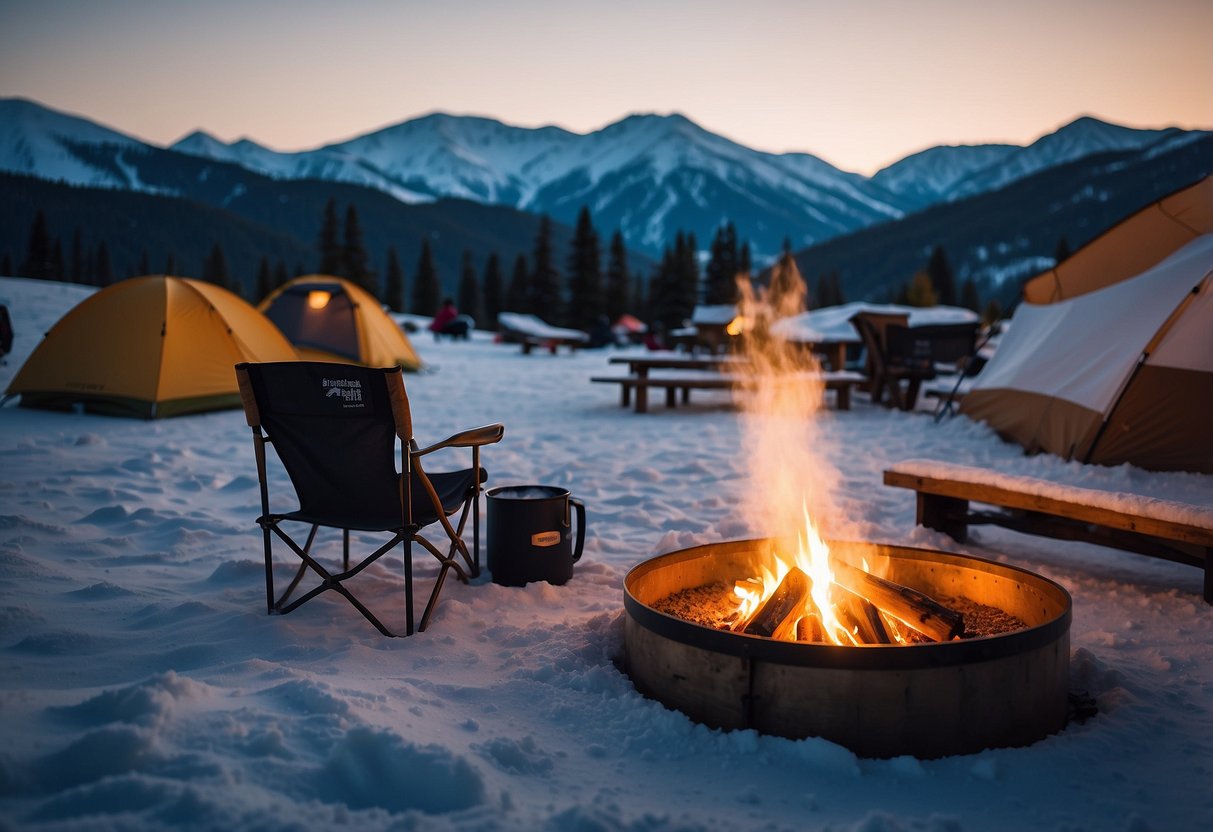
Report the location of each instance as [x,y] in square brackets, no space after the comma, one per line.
[331,319]
[149,347]
[1123,373]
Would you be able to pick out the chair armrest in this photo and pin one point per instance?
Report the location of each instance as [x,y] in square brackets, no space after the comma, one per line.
[486,435]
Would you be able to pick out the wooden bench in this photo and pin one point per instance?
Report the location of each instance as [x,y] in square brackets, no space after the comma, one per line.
[1159,528]
[530,342]
[841,383]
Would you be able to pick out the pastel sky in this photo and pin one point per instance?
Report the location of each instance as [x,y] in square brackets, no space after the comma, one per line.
[860,83]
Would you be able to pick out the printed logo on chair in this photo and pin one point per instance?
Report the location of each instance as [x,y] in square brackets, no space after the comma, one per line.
[348,390]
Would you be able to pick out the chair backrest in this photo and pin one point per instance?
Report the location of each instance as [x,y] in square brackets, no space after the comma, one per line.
[931,344]
[872,328]
[334,427]
[6,331]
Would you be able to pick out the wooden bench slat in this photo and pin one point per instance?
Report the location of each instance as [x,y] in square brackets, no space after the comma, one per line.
[1000,496]
[1157,528]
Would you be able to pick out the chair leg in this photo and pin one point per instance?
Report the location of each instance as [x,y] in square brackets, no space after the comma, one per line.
[407,546]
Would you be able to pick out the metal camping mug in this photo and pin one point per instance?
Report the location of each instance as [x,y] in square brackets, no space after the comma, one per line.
[530,534]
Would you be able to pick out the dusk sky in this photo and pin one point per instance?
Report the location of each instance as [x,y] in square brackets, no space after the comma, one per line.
[860,84]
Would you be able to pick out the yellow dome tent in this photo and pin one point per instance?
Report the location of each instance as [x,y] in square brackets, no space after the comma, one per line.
[150,346]
[331,319]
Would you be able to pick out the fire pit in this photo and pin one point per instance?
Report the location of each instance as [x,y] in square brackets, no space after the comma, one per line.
[928,699]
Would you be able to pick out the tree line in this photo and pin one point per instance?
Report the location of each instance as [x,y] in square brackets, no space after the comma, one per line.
[579,291]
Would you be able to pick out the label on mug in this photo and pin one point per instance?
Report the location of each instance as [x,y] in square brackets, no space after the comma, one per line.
[546,539]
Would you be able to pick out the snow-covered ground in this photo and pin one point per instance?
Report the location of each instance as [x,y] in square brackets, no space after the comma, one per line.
[144,687]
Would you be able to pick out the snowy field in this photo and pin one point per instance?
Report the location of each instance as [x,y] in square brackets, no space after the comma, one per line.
[144,687]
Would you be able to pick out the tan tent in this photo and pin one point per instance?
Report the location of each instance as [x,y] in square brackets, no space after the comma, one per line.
[1130,247]
[1123,373]
[331,319]
[150,346]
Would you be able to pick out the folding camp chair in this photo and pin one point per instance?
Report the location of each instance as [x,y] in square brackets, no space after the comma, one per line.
[334,428]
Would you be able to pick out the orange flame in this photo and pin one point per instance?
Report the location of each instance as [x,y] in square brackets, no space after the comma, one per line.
[791,482]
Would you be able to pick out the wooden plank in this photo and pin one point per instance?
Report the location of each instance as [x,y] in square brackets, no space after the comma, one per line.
[997,495]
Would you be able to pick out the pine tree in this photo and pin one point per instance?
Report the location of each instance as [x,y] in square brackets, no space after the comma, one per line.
[281,277]
[968,295]
[518,293]
[145,266]
[76,268]
[720,285]
[354,259]
[329,243]
[618,282]
[641,304]
[745,266]
[1062,252]
[393,288]
[940,274]
[469,288]
[494,292]
[921,291]
[585,275]
[38,253]
[265,280]
[170,264]
[103,271]
[992,313]
[426,286]
[57,269]
[6,264]
[544,279]
[836,289]
[214,268]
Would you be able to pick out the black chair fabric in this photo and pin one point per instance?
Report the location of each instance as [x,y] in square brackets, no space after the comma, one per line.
[336,429]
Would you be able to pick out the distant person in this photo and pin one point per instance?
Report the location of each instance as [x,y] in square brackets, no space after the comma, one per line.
[449,322]
[655,338]
[601,334]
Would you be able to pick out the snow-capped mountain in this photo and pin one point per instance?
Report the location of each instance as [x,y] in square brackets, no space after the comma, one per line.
[48,144]
[648,175]
[929,176]
[1079,138]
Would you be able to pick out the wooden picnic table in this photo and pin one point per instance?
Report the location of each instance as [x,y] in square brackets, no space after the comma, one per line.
[721,372]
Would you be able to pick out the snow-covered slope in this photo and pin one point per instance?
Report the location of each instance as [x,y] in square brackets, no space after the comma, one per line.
[649,175]
[928,176]
[48,144]
[1079,138]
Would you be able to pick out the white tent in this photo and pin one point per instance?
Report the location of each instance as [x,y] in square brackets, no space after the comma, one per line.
[1119,374]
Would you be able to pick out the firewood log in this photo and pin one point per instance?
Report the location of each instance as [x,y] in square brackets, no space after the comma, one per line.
[909,606]
[777,616]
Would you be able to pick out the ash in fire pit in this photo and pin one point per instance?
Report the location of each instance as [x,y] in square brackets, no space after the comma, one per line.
[715,605]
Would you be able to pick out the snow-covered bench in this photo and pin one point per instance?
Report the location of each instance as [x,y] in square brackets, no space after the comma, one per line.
[531,332]
[1160,528]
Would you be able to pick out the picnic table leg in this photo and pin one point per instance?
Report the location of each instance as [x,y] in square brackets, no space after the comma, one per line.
[686,395]
[911,395]
[837,356]
[642,398]
[1209,574]
[944,514]
[626,395]
[671,397]
[844,397]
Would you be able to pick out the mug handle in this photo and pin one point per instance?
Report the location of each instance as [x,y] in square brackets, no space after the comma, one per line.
[580,507]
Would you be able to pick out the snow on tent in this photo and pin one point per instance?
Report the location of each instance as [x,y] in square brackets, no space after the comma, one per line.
[150,347]
[1123,373]
[331,319]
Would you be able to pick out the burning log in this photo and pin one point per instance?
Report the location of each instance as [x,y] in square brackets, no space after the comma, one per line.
[909,606]
[861,617]
[809,628]
[777,615]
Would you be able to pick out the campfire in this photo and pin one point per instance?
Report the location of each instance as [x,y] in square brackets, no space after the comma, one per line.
[798,632]
[802,593]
